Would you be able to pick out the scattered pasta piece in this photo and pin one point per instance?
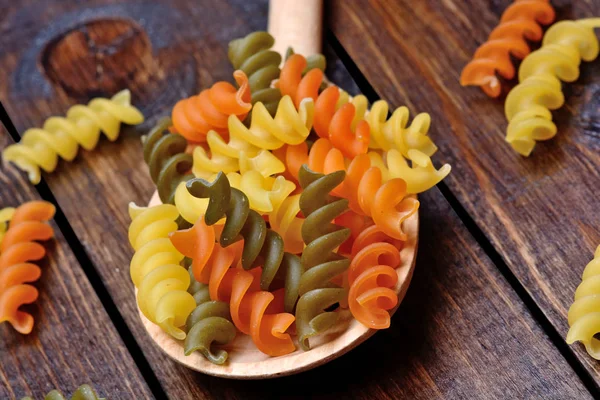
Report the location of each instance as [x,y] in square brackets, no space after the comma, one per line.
[28,225]
[83,392]
[62,136]
[519,25]
[584,313]
[539,91]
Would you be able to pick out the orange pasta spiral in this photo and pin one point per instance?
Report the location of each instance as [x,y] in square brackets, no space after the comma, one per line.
[195,116]
[372,278]
[292,83]
[330,122]
[337,124]
[17,248]
[363,186]
[386,203]
[520,24]
[254,312]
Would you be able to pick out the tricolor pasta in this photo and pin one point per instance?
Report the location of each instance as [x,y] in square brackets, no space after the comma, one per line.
[298,202]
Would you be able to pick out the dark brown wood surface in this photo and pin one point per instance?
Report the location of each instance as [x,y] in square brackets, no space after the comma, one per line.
[462,330]
[73,341]
[539,213]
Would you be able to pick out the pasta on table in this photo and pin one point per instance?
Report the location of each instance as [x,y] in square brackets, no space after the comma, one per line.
[19,247]
[296,194]
[584,313]
[83,392]
[40,148]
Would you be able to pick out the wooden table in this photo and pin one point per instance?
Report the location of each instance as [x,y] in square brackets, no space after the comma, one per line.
[503,240]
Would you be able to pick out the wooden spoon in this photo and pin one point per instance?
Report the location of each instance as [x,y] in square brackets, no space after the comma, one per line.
[297,24]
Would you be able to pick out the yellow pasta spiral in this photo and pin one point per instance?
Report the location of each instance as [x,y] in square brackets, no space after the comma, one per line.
[247,147]
[395,133]
[264,193]
[584,314]
[419,177]
[155,268]
[233,157]
[528,105]
[287,127]
[62,136]
[284,220]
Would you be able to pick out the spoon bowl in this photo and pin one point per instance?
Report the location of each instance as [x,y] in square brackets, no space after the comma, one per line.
[245,361]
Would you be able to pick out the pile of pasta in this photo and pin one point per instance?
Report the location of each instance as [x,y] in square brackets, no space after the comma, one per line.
[20,229]
[283,202]
[529,104]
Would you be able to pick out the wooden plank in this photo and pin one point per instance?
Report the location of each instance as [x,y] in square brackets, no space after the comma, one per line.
[540,213]
[462,331]
[73,341]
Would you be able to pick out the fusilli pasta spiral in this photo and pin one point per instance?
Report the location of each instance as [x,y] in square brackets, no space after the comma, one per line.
[254,312]
[394,133]
[253,55]
[420,176]
[528,104]
[195,116]
[320,262]
[519,25]
[83,392]
[265,194]
[210,322]
[262,246]
[584,313]
[28,225]
[155,268]
[168,162]
[245,149]
[62,136]
[385,202]
[347,132]
[372,278]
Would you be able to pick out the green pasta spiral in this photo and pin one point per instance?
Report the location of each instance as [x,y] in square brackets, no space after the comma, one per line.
[168,163]
[253,55]
[262,246]
[209,323]
[84,392]
[320,262]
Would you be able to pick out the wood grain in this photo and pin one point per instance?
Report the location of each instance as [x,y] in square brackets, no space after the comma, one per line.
[540,213]
[73,340]
[461,331]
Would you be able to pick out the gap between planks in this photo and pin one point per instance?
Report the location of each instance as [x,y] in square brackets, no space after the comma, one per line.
[555,337]
[93,277]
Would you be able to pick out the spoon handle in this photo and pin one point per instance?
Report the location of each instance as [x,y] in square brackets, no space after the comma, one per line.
[298,24]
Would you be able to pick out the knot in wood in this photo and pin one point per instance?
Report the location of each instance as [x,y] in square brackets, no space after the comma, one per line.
[99,57]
